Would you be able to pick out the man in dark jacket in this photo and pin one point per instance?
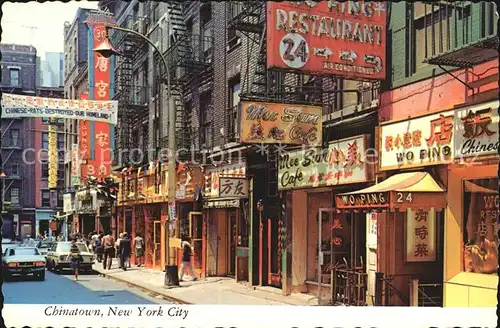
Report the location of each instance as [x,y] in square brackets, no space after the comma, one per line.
[124,251]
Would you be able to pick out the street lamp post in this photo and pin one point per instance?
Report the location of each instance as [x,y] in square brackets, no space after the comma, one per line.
[106,50]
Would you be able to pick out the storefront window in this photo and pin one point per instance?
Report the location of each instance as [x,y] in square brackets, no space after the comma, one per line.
[480,225]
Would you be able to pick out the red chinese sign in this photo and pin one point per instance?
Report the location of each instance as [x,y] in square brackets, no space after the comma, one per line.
[328,37]
[99,165]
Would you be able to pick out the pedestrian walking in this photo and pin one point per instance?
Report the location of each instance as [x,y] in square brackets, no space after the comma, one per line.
[187,252]
[139,250]
[117,246]
[124,251]
[109,250]
[75,258]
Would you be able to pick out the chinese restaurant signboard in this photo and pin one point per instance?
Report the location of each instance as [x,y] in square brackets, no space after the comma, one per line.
[328,37]
[422,141]
[420,235]
[440,138]
[477,132]
[214,176]
[101,76]
[15,106]
[233,187]
[75,165]
[263,122]
[343,162]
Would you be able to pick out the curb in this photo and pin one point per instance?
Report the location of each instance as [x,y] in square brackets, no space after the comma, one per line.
[165,296]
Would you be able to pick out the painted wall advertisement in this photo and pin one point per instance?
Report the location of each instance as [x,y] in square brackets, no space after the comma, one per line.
[420,235]
[263,122]
[440,138]
[101,134]
[328,37]
[343,162]
[53,160]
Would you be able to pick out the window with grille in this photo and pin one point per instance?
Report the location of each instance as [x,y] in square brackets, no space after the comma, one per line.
[45,198]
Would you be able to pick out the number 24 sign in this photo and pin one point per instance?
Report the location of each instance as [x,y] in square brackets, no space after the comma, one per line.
[402,197]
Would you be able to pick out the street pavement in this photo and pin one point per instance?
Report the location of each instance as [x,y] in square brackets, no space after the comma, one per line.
[62,289]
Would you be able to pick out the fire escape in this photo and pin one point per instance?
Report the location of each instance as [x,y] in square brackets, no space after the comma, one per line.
[190,58]
[130,92]
[10,145]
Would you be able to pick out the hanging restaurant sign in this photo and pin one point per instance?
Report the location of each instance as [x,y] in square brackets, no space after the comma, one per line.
[213,176]
[75,165]
[15,106]
[263,122]
[420,235]
[52,156]
[328,37]
[343,162]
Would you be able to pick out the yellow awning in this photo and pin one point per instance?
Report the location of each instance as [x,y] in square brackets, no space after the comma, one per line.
[404,190]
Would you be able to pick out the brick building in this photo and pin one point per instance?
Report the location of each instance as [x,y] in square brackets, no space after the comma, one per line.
[19,77]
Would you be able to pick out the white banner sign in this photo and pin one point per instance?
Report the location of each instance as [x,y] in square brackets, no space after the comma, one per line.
[476,132]
[75,166]
[68,204]
[15,106]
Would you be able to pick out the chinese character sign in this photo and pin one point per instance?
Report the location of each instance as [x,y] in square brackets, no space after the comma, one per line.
[214,175]
[75,165]
[420,235]
[233,187]
[477,130]
[328,37]
[418,142]
[52,157]
[343,162]
[101,135]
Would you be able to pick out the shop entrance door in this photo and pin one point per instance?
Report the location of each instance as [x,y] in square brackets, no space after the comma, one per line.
[328,213]
[156,244]
[371,255]
[196,234]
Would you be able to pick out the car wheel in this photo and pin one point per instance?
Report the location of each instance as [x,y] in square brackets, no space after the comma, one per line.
[41,276]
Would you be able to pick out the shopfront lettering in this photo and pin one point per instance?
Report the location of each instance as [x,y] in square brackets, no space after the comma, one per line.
[441,130]
[260,113]
[291,179]
[295,114]
[364,199]
[306,136]
[472,147]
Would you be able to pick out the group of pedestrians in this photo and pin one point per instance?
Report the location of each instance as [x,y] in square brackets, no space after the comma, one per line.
[105,248]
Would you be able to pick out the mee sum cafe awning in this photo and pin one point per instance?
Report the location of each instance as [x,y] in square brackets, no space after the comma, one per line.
[415,190]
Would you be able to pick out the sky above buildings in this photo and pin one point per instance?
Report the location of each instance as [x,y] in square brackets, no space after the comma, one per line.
[39,24]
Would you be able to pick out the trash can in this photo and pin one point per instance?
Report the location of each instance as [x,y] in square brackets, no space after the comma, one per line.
[171,275]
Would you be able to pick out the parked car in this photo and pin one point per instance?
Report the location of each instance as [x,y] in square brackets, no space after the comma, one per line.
[23,261]
[6,247]
[44,246]
[7,242]
[58,256]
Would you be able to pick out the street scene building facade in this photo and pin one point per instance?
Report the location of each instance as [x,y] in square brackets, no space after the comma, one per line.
[351,157]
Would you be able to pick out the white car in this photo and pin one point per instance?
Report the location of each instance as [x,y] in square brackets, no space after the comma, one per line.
[58,256]
[23,261]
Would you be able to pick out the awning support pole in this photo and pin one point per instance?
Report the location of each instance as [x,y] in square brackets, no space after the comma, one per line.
[455,77]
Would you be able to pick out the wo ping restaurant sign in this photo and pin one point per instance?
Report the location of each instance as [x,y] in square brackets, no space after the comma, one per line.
[441,138]
[343,162]
[263,122]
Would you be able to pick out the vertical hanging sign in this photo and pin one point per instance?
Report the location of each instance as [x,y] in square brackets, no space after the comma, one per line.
[75,165]
[101,77]
[52,156]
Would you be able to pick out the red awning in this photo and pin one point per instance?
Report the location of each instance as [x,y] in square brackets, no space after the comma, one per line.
[414,190]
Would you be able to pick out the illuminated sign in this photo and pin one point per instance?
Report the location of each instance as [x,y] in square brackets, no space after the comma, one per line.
[263,122]
[328,37]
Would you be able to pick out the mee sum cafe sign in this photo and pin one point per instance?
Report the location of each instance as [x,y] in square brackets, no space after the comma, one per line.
[342,162]
[263,122]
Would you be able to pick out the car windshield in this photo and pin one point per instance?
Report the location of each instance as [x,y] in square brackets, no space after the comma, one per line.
[23,251]
[44,244]
[66,247]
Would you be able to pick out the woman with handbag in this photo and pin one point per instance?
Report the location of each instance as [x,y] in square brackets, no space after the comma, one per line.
[75,258]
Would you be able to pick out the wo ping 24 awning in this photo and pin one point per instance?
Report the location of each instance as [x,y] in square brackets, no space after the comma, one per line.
[414,190]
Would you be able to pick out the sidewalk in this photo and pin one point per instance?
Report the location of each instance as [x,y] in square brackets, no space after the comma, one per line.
[213,290]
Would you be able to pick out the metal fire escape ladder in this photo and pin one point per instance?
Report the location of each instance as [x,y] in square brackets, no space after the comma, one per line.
[7,128]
